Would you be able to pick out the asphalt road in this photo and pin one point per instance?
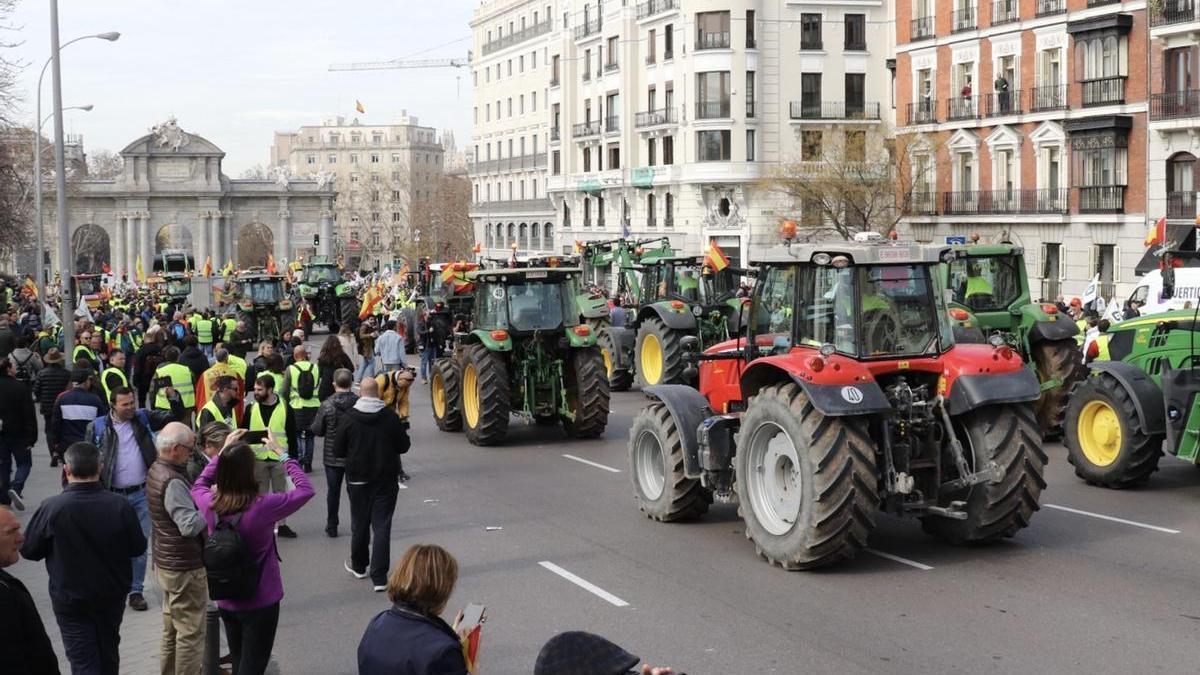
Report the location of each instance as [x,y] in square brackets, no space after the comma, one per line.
[1102,581]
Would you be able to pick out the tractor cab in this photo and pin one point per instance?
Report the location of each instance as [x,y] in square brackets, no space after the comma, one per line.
[528,300]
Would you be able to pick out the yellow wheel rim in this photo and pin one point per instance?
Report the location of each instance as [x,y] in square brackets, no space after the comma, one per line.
[1099,433]
[607,362]
[439,396]
[651,360]
[470,395]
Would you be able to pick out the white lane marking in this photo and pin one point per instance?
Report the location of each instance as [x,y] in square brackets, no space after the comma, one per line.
[591,463]
[896,558]
[584,584]
[1101,516]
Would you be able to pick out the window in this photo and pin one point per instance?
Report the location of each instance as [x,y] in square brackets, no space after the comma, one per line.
[510,67]
[1052,266]
[612,53]
[668,42]
[332,159]
[510,106]
[810,31]
[650,46]
[712,146]
[554,63]
[335,138]
[712,30]
[855,147]
[487,112]
[395,158]
[651,147]
[311,159]
[353,158]
[587,212]
[374,158]
[1177,72]
[533,101]
[750,145]
[856,85]
[1101,59]
[521,63]
[750,43]
[856,32]
[614,156]
[587,64]
[712,95]
[587,159]
[650,215]
[668,150]
[749,93]
[521,104]
[669,220]
[600,212]
[810,145]
[533,57]
[810,95]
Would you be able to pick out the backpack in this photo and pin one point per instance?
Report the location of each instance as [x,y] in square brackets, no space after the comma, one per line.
[306,384]
[233,571]
[23,372]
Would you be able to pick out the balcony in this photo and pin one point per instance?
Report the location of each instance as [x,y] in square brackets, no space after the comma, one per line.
[1050,7]
[712,41]
[1049,97]
[1101,3]
[834,110]
[922,28]
[511,206]
[1002,103]
[1005,202]
[653,118]
[1181,205]
[611,67]
[1174,105]
[554,80]
[712,110]
[1005,11]
[922,112]
[922,203]
[963,19]
[652,7]
[1103,91]
[587,28]
[517,37]
[1172,12]
[964,107]
[586,129]
[518,162]
[612,123]
[1102,199]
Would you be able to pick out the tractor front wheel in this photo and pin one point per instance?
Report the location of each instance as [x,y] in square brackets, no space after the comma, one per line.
[485,392]
[1008,436]
[806,483]
[662,490]
[586,394]
[446,394]
[349,310]
[1056,360]
[619,379]
[659,355]
[1106,441]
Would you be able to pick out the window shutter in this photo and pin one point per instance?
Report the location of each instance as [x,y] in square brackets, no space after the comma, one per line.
[1092,268]
[1116,264]
[1062,262]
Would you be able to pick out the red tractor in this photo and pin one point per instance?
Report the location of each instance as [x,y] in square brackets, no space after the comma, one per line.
[848,396]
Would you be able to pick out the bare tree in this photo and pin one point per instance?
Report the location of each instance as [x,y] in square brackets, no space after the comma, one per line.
[10,68]
[16,188]
[256,172]
[104,164]
[443,218]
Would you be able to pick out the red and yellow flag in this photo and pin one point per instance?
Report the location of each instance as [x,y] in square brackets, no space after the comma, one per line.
[270,263]
[359,106]
[1157,234]
[372,298]
[578,246]
[715,257]
[208,266]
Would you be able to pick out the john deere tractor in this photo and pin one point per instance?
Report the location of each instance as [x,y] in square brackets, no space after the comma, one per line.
[526,352]
[176,268]
[262,303]
[990,289]
[322,288]
[846,397]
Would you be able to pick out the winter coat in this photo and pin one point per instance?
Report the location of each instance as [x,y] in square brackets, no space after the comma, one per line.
[403,641]
[51,381]
[195,360]
[370,438]
[327,368]
[18,424]
[390,347]
[325,424]
[74,410]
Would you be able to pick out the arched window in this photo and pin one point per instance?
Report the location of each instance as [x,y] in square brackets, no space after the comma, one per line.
[523,239]
[487,235]
[512,235]
[548,237]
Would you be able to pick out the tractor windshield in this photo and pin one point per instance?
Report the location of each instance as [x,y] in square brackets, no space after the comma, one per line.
[87,285]
[718,285]
[318,275]
[986,284]
[264,292]
[179,286]
[523,307]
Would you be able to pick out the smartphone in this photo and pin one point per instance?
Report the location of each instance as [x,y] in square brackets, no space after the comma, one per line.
[255,437]
[472,615]
[163,382]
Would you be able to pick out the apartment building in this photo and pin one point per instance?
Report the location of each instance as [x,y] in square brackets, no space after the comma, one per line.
[380,169]
[1027,119]
[665,116]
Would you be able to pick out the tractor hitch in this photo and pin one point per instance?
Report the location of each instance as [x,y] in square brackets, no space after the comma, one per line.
[989,473]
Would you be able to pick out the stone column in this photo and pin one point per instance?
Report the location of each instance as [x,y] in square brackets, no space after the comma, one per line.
[214,240]
[229,237]
[130,245]
[326,247]
[146,249]
[200,240]
[283,234]
[117,246]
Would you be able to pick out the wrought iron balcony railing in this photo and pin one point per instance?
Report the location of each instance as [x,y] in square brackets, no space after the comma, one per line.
[1103,91]
[1102,199]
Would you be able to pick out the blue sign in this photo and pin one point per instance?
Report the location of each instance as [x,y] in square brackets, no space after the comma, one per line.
[956,240]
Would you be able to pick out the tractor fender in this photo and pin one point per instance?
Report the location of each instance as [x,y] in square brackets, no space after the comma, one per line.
[623,340]
[1058,328]
[973,391]
[674,319]
[850,392]
[1146,395]
[690,409]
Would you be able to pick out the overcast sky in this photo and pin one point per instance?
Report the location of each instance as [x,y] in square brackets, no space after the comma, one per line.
[235,71]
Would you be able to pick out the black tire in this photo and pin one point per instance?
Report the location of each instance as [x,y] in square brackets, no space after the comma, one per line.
[663,492]
[838,484]
[619,379]
[586,393]
[1056,360]
[489,424]
[349,310]
[1139,451]
[1007,435]
[446,379]
[671,366]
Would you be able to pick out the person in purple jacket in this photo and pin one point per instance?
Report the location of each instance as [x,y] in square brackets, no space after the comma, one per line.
[250,624]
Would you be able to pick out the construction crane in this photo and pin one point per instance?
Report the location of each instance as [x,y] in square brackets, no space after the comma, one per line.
[396,64]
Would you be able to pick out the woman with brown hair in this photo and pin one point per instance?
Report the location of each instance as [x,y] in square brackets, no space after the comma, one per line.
[250,623]
[332,357]
[411,638]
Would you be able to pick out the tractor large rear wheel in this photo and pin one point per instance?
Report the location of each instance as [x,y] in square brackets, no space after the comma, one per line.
[619,379]
[1056,360]
[586,393]
[349,310]
[806,483]
[1106,441]
[659,356]
[446,393]
[1007,435]
[485,396]
[662,490]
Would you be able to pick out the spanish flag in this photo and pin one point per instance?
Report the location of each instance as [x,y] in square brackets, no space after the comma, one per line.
[208,266]
[476,248]
[359,106]
[1157,234]
[271,263]
[141,275]
[578,246]
[371,299]
[715,257]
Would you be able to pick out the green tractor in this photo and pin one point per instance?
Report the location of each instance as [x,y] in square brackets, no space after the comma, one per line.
[176,268]
[593,307]
[526,352]
[263,304]
[990,296]
[322,288]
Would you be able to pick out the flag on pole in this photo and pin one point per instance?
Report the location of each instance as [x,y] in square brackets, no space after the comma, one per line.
[359,106]
[715,257]
[141,274]
[106,268]
[228,267]
[477,248]
[270,263]
[1157,234]
[578,246]
[208,266]
[372,298]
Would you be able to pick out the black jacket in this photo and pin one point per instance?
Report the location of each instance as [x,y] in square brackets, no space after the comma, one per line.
[325,423]
[327,369]
[87,536]
[402,641]
[16,413]
[195,360]
[370,437]
[51,381]
[24,646]
[239,343]
[145,362]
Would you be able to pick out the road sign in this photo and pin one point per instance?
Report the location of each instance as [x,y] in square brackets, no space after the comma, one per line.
[956,240]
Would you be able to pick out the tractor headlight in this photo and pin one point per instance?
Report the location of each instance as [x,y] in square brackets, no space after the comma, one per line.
[697,310]
[996,340]
[827,349]
[822,259]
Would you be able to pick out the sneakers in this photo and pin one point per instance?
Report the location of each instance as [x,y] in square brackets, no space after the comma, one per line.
[350,569]
[379,588]
[15,500]
[137,602]
[285,532]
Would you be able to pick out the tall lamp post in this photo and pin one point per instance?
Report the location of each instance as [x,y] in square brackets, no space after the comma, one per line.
[37,192]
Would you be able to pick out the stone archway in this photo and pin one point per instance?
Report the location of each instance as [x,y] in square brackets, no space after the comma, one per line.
[172,237]
[254,242]
[91,247]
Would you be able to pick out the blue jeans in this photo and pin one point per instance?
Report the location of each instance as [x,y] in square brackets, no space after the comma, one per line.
[304,453]
[427,356]
[138,501]
[10,451]
[368,363]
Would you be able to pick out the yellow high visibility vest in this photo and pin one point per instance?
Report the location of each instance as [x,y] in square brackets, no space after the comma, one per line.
[278,377]
[204,331]
[91,356]
[293,392]
[230,324]
[277,424]
[104,381]
[238,365]
[213,410]
[181,379]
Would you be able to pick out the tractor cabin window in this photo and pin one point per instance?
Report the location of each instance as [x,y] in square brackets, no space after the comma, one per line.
[985,284]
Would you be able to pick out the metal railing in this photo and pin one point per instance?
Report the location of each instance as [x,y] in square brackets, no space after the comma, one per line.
[855,46]
[517,37]
[651,118]
[1050,7]
[812,43]
[1002,103]
[1049,97]
[922,203]
[712,110]
[834,110]
[1175,105]
[512,206]
[1103,91]
[1102,199]
[1099,3]
[612,123]
[1005,11]
[712,41]
[922,112]
[963,107]
[589,27]
[1173,11]
[529,161]
[585,129]
[1181,205]
[611,66]
[1001,202]
[922,28]
[652,7]
[963,19]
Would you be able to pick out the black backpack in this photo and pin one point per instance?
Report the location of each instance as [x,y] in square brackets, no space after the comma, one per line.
[233,571]
[306,384]
[22,371]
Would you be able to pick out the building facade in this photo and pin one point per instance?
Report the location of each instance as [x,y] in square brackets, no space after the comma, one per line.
[664,117]
[1027,119]
[380,171]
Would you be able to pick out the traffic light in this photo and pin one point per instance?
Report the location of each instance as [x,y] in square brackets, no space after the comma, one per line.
[317,239]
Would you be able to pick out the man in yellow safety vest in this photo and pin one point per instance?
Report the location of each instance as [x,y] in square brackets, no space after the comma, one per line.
[300,391]
[114,375]
[174,374]
[270,412]
[206,333]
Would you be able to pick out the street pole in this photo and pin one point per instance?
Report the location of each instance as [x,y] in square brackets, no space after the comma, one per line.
[60,186]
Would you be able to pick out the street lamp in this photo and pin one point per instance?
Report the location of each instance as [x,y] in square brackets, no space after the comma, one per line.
[111,36]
